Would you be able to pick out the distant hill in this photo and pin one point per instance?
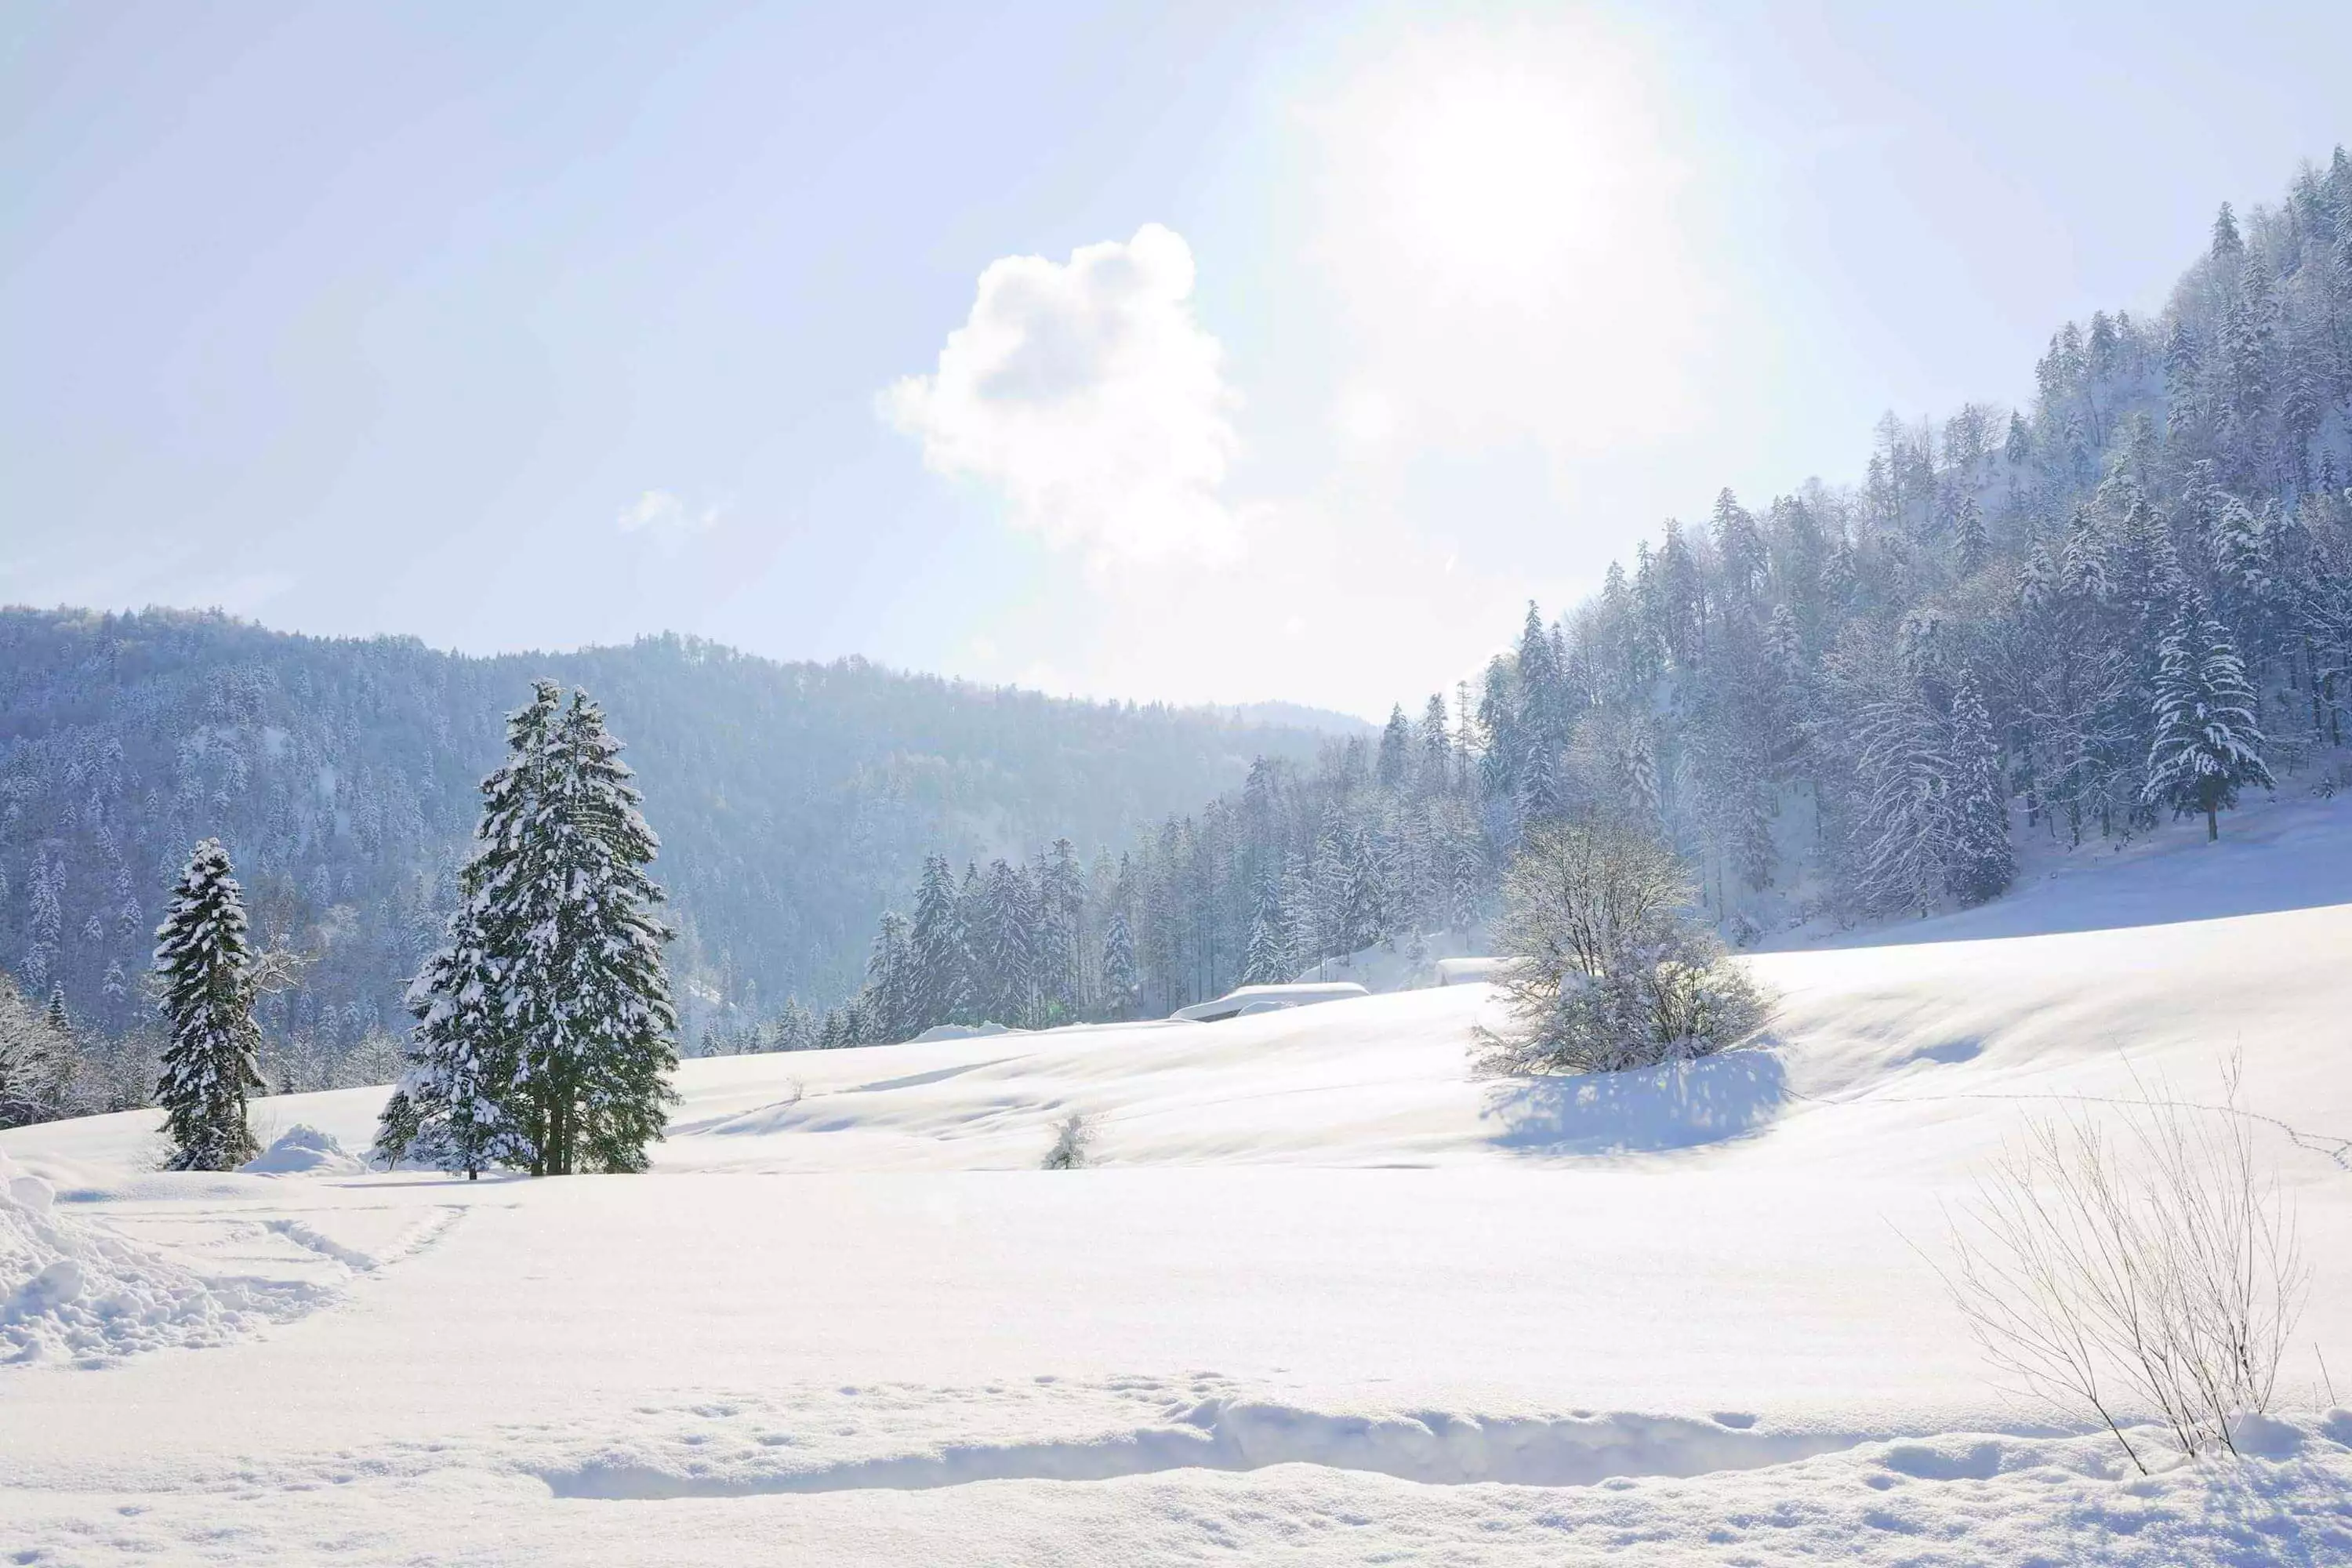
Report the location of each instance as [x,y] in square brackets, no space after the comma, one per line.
[791,798]
[1298,716]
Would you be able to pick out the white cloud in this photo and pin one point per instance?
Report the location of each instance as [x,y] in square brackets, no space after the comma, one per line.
[662,516]
[1087,393]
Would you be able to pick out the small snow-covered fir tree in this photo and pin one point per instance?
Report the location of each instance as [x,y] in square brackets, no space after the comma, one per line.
[890,982]
[2208,746]
[1970,544]
[1980,862]
[1268,960]
[1119,973]
[205,967]
[460,1103]
[794,1029]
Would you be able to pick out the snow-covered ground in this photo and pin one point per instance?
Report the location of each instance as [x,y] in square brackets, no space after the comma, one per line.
[1326,1297]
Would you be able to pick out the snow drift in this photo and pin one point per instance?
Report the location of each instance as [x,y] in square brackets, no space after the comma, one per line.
[69,1291]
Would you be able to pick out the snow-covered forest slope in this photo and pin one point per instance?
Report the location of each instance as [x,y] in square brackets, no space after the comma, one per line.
[1321,1293]
[340,774]
[2025,631]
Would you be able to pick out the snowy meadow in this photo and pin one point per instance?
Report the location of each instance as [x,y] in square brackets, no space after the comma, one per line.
[1317,1291]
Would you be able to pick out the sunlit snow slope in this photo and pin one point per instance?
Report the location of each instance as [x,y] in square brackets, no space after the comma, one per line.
[1326,1294]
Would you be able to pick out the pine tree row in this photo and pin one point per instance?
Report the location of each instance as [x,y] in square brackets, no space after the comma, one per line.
[1381,841]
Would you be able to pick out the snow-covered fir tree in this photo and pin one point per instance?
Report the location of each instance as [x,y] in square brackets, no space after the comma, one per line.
[203,962]
[794,1029]
[1119,979]
[1971,545]
[940,956]
[1981,862]
[457,1103]
[545,1029]
[2207,745]
[1268,960]
[1061,934]
[891,989]
[1393,766]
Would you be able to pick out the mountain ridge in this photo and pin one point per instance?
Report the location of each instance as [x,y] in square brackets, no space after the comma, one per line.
[341,772]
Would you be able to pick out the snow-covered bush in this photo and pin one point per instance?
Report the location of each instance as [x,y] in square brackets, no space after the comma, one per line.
[2149,1270]
[1607,970]
[1073,1144]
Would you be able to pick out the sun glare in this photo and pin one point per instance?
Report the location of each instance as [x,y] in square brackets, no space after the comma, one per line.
[1494,206]
[1485,183]
[1490,162]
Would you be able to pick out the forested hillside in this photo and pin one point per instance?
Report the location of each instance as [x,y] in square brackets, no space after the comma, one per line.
[791,800]
[2127,601]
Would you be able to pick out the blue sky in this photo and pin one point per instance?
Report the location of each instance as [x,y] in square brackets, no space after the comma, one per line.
[1201,352]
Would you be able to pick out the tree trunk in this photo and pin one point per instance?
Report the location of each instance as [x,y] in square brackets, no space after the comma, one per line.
[2212,825]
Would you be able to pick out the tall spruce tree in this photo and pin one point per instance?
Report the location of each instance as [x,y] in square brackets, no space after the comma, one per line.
[890,982]
[591,987]
[206,971]
[2208,746]
[1394,763]
[1061,933]
[1119,977]
[545,1031]
[1980,862]
[1268,959]
[942,980]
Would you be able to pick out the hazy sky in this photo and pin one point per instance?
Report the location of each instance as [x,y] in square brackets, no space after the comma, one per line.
[1202,352]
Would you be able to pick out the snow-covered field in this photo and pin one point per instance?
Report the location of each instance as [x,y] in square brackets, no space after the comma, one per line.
[1326,1297]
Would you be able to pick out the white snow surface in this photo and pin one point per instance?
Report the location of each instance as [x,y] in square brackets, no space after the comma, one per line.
[302,1151]
[1323,1295]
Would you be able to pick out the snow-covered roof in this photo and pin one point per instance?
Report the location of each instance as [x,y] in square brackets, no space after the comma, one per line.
[1267,998]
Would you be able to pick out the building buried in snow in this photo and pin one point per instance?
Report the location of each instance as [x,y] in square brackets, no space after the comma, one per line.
[1250,999]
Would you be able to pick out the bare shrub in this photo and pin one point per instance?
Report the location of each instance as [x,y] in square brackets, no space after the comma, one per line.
[2147,1269]
[1608,972]
[1073,1144]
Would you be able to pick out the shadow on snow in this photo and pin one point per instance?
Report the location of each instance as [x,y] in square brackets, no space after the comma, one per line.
[1648,1108]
